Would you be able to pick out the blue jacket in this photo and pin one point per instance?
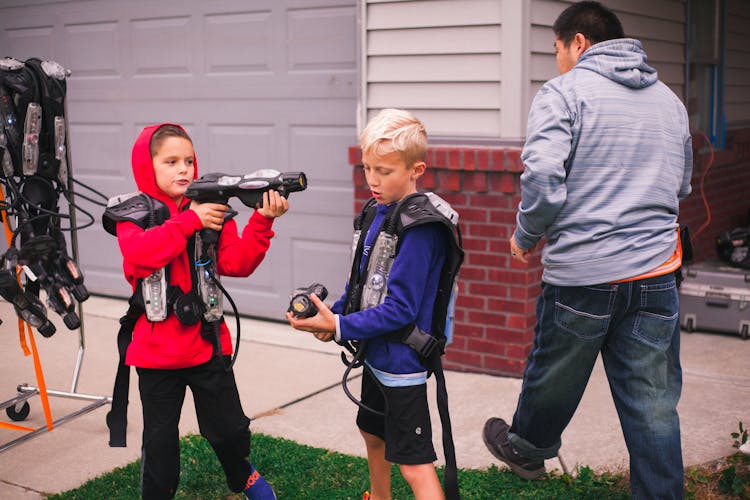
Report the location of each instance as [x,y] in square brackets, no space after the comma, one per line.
[412,289]
[607,158]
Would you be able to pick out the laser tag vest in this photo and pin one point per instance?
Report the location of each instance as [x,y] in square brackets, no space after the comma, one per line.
[370,287]
[156,297]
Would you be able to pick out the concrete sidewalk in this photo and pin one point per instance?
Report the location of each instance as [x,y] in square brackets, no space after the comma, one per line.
[288,382]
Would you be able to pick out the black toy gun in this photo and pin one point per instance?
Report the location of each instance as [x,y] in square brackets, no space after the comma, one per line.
[249,188]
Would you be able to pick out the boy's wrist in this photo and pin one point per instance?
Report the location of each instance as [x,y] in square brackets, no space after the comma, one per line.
[337,333]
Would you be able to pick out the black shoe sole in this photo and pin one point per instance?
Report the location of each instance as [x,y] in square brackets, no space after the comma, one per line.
[531,475]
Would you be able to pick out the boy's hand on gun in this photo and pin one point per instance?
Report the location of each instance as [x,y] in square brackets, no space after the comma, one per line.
[322,325]
[274,205]
[210,214]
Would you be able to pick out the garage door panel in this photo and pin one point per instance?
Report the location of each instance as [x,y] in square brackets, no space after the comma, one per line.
[162,46]
[321,38]
[239,149]
[238,42]
[98,150]
[92,49]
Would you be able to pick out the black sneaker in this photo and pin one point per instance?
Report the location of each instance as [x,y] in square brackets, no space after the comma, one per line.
[495,435]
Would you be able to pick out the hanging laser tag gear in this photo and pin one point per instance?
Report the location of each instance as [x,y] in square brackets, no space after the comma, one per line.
[34,174]
[301,305]
[369,289]
[733,247]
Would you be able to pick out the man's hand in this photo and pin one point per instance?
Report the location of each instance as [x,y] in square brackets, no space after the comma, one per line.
[322,325]
[519,253]
[210,214]
[274,205]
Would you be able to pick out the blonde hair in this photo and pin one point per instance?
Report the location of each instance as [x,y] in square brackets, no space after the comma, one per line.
[395,130]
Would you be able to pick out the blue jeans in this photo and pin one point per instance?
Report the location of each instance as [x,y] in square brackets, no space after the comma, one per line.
[635,326]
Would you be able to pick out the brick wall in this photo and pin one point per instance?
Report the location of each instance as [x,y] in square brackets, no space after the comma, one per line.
[495,311]
[725,177]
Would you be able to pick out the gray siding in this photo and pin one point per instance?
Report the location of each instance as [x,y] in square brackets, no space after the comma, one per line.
[470,68]
[737,75]
[446,61]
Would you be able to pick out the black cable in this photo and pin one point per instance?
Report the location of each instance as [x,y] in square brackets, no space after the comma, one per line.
[99,193]
[236,317]
[356,362]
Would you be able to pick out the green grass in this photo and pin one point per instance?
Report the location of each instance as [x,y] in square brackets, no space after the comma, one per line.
[303,472]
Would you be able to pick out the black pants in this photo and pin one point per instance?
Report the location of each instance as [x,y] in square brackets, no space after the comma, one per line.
[220,419]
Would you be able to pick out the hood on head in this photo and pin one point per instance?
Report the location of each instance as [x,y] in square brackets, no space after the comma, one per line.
[622,60]
[143,165]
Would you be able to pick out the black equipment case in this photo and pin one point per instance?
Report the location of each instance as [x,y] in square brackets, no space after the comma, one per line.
[715,296]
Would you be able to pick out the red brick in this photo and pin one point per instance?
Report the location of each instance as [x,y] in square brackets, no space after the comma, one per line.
[355,155]
[469,330]
[484,230]
[457,200]
[488,289]
[470,159]
[463,357]
[359,177]
[454,158]
[516,351]
[509,306]
[449,181]
[470,302]
[508,335]
[427,181]
[503,365]
[502,245]
[485,318]
[521,293]
[473,214]
[478,244]
[483,159]
[503,216]
[507,183]
[475,182]
[513,160]
[478,345]
[441,157]
[485,259]
[471,273]
[494,200]
[498,164]
[521,321]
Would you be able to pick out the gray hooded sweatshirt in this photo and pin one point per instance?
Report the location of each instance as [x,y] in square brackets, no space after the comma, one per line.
[607,158]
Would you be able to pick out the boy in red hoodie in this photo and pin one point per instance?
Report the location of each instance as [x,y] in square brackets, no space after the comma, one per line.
[169,355]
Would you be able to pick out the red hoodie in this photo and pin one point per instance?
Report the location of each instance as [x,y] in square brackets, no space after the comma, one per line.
[169,344]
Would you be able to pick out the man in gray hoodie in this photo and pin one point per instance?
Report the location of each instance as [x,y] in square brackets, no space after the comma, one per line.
[607,158]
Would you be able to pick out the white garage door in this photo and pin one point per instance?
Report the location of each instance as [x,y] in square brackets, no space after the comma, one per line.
[257,84]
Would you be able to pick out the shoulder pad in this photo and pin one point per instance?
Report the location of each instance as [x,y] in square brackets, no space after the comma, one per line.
[426,207]
[136,207]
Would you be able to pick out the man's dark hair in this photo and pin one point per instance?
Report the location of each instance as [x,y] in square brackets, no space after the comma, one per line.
[593,20]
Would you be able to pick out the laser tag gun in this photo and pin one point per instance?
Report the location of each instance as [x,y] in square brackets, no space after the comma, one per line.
[219,188]
[301,305]
[27,305]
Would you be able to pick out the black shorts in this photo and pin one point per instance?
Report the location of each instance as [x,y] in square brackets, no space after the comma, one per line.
[406,428]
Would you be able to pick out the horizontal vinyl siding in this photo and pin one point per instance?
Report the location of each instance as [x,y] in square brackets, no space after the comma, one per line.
[658,24]
[737,64]
[440,59]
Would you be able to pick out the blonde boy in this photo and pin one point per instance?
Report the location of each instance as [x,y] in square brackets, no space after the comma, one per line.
[395,420]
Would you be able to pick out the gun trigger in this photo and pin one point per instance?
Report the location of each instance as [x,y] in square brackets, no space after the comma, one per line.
[230,214]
